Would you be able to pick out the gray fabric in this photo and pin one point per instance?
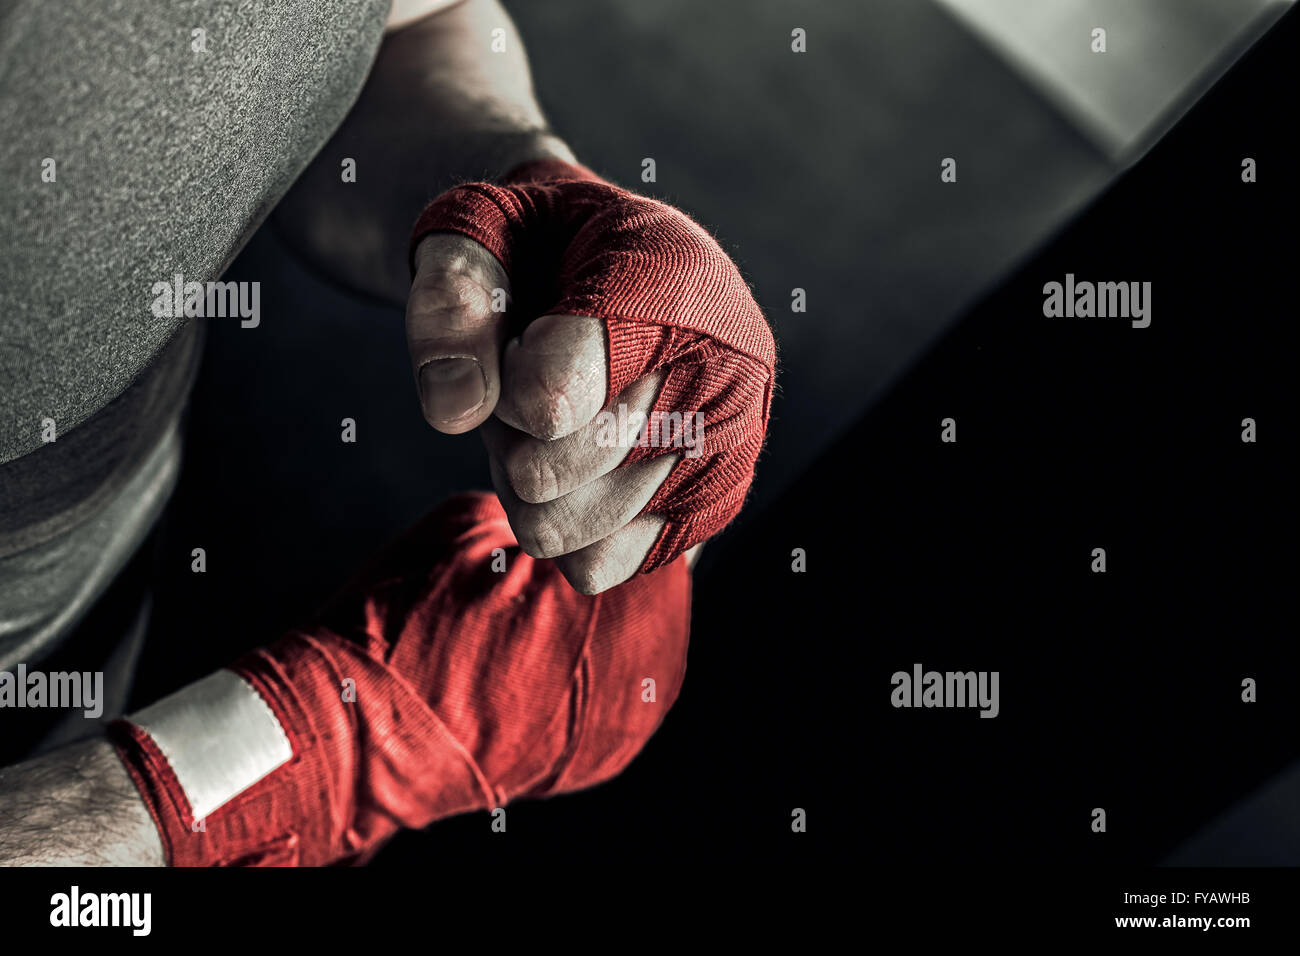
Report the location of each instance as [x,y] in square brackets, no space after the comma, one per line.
[46,494]
[48,589]
[167,159]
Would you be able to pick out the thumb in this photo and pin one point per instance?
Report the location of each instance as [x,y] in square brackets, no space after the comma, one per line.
[455,327]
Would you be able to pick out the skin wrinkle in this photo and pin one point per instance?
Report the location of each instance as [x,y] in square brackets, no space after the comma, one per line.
[555,376]
[571,461]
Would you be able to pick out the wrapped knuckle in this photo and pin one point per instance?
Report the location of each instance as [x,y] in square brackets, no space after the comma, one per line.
[531,475]
[450,291]
[542,534]
[587,574]
[548,410]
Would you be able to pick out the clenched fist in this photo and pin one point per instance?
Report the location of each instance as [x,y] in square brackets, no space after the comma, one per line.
[611,354]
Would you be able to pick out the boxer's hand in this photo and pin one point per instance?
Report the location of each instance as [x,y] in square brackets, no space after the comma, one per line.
[597,271]
[536,397]
[453,674]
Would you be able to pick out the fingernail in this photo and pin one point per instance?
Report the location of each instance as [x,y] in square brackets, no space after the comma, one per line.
[451,388]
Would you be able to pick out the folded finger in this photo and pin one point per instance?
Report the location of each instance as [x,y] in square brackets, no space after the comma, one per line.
[540,471]
[585,515]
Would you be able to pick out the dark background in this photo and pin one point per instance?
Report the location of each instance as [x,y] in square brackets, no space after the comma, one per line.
[1119,691]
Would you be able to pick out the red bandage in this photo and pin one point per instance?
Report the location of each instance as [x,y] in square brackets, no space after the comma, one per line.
[671,299]
[436,685]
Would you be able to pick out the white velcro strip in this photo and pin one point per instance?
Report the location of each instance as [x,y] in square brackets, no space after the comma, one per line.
[219,736]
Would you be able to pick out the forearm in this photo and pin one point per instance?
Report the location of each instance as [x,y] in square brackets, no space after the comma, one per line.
[76,806]
[440,107]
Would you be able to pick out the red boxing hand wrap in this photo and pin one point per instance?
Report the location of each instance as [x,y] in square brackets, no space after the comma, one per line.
[434,686]
[671,299]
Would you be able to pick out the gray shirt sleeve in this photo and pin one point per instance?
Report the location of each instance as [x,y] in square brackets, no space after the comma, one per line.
[173,129]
